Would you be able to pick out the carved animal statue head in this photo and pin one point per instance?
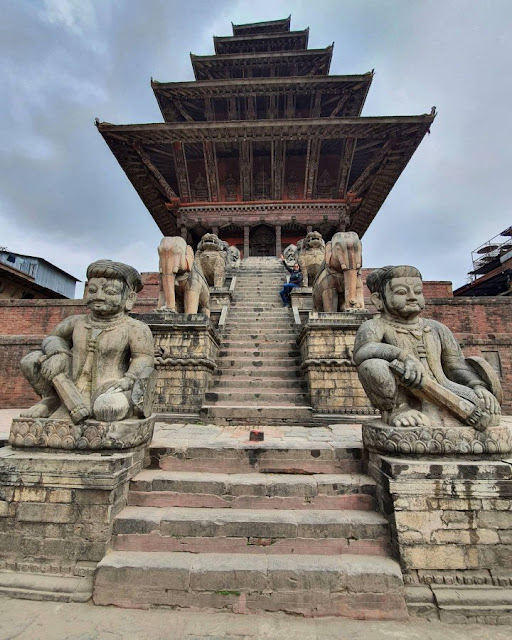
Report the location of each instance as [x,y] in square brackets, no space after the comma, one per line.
[211,242]
[233,255]
[313,240]
[290,254]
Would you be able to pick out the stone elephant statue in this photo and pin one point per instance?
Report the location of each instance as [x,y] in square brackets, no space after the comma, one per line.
[311,257]
[339,286]
[211,256]
[183,288]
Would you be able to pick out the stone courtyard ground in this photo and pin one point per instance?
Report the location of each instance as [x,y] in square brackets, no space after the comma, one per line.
[29,620]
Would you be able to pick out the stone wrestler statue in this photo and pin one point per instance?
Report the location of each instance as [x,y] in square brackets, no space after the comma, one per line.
[104,358]
[399,354]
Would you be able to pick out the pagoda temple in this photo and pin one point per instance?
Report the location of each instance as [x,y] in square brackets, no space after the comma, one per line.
[264,145]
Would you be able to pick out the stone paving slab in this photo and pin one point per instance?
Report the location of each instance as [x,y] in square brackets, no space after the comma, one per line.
[29,620]
[332,436]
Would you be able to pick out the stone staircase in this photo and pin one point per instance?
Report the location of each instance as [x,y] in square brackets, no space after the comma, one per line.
[258,381]
[289,524]
[218,522]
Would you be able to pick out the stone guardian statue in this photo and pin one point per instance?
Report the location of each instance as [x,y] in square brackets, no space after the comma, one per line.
[413,369]
[95,372]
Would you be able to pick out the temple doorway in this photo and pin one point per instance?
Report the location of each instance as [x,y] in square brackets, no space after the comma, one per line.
[262,241]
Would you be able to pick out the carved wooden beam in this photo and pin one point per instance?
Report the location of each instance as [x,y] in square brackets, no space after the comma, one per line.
[272,106]
[312,159]
[362,182]
[162,183]
[246,169]
[210,161]
[340,104]
[290,105]
[345,164]
[278,165]
[208,109]
[179,106]
[317,105]
[251,108]
[232,110]
[180,162]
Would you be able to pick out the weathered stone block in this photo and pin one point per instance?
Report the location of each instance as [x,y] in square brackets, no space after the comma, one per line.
[40,512]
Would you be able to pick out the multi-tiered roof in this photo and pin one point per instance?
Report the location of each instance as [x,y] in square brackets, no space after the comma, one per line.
[265,135]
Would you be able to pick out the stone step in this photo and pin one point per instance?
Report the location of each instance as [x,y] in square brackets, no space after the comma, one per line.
[199,530]
[257,372]
[255,382]
[236,333]
[265,345]
[353,586]
[255,395]
[249,414]
[156,488]
[277,315]
[260,345]
[301,456]
[262,363]
[251,352]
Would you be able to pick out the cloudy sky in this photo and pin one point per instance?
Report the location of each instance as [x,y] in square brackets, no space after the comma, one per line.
[64,62]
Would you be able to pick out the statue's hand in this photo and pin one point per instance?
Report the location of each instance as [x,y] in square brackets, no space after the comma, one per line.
[414,374]
[489,401]
[53,365]
[124,384]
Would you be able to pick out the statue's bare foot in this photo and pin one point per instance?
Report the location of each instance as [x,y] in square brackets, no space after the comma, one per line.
[406,417]
[43,409]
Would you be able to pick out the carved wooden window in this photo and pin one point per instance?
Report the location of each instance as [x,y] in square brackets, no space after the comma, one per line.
[230,189]
[292,186]
[325,186]
[262,186]
[200,189]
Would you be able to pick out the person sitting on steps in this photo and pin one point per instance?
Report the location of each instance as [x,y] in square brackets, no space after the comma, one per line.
[295,281]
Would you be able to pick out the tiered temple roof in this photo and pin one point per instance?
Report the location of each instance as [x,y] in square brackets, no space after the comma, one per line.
[265,136]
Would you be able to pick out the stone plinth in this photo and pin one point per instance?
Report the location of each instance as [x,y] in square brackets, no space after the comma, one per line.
[90,435]
[186,347]
[437,440]
[302,298]
[326,343]
[219,298]
[451,524]
[56,514]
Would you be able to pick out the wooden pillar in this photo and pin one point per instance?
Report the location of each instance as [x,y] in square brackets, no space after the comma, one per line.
[309,228]
[312,160]
[180,163]
[184,233]
[246,241]
[215,230]
[210,161]
[278,240]
[246,169]
[278,165]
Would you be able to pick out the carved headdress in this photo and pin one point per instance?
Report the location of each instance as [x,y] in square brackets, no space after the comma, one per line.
[117,270]
[377,279]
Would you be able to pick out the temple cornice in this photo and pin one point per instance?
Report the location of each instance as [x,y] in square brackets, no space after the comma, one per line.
[358,127]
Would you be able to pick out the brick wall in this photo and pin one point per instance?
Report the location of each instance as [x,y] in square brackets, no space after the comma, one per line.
[482,325]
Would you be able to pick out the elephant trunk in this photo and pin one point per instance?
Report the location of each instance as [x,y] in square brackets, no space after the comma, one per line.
[350,276]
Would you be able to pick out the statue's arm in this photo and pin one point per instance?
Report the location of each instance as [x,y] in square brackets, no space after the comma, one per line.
[142,351]
[368,344]
[454,364]
[60,339]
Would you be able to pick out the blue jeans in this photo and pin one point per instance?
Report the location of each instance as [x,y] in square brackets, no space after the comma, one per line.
[285,292]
